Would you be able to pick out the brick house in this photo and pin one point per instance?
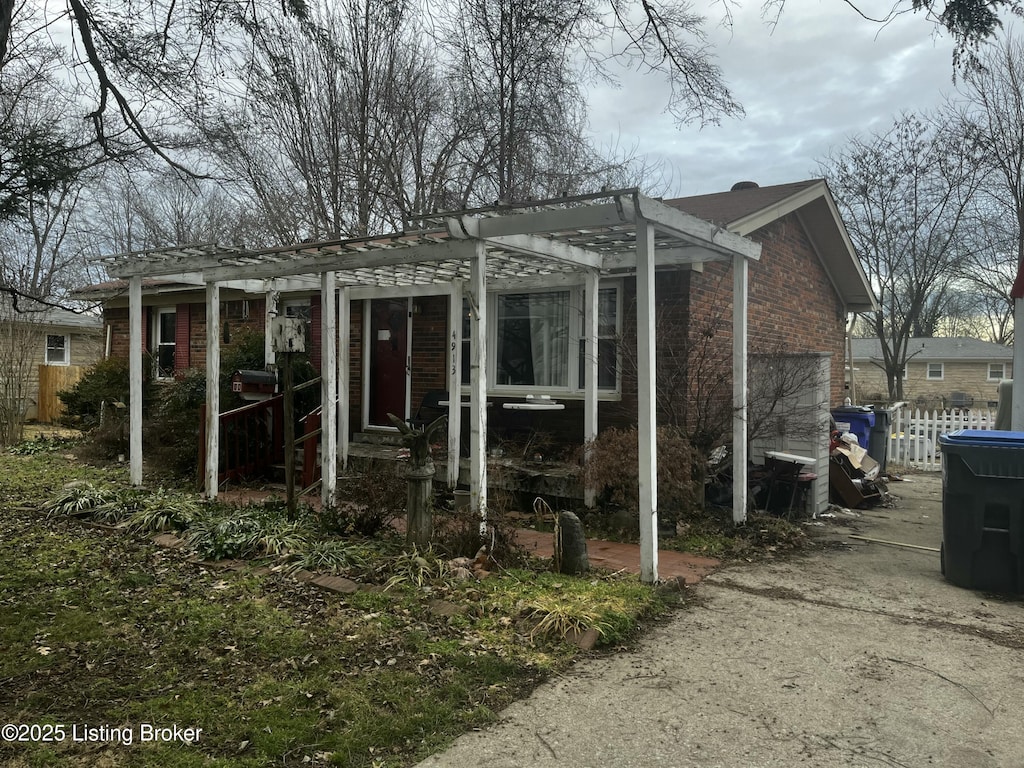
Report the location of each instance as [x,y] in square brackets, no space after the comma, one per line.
[565,276]
[940,373]
[801,290]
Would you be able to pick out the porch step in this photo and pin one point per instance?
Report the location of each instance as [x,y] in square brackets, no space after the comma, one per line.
[377,438]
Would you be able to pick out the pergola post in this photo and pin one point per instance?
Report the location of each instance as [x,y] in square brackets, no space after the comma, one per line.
[647,397]
[212,389]
[739,389]
[328,390]
[590,370]
[454,382]
[344,362]
[478,385]
[135,379]
[272,300]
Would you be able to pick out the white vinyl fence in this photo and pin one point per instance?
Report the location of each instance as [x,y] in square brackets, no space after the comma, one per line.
[914,437]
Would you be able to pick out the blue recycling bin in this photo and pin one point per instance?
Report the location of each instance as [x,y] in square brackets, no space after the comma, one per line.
[983,509]
[859,419]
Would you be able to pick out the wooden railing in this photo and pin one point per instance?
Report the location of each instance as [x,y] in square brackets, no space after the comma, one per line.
[252,441]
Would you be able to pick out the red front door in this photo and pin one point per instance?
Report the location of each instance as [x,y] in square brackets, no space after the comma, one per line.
[389,350]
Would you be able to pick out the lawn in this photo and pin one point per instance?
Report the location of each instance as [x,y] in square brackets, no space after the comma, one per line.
[117,652]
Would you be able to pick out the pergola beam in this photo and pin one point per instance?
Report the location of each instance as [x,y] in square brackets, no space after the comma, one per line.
[342,260]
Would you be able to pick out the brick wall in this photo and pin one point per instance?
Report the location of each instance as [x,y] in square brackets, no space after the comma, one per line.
[792,307]
[231,317]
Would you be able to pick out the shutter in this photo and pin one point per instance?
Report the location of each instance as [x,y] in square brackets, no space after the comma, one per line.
[314,332]
[181,337]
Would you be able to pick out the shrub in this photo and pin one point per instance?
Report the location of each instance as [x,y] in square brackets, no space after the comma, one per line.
[104,383]
[370,499]
[612,470]
[171,434]
[457,530]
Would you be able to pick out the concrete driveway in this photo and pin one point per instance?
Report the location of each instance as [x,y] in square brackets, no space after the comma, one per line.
[859,654]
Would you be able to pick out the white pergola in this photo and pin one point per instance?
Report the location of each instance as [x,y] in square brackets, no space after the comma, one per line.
[464,255]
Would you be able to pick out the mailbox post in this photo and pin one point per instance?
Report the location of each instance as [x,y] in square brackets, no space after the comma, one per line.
[289,337]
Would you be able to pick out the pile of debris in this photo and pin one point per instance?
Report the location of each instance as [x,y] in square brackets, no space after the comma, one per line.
[854,478]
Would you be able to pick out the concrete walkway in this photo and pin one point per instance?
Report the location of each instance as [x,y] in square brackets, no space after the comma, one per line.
[859,655]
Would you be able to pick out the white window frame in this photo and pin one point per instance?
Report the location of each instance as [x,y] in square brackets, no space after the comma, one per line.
[928,372]
[66,349]
[574,389]
[158,313]
[1002,372]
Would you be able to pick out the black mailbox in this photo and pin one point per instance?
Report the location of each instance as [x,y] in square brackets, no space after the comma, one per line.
[253,385]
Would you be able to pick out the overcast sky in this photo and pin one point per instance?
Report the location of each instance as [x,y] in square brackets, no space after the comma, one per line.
[823,75]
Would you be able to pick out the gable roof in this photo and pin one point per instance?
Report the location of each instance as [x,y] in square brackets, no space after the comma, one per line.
[938,349]
[30,311]
[745,209]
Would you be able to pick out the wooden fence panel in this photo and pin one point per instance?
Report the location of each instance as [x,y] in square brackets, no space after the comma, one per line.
[54,379]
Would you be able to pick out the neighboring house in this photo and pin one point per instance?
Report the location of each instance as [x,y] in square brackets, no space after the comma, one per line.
[44,350]
[800,292]
[940,373]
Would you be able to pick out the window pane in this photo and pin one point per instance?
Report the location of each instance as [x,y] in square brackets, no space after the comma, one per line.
[56,349]
[606,306]
[165,360]
[607,363]
[533,339]
[996,371]
[167,325]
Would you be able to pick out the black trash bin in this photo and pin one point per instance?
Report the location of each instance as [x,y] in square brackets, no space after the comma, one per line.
[983,509]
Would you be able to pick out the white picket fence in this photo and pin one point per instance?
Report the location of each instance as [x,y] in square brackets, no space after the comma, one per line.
[914,437]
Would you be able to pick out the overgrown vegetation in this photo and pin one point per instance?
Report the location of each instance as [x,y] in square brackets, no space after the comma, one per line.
[105,627]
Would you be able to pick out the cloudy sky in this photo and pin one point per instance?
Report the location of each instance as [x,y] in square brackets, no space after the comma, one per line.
[823,75]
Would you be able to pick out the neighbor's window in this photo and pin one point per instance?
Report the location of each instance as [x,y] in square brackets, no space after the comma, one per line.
[996,371]
[56,349]
[166,324]
[935,371]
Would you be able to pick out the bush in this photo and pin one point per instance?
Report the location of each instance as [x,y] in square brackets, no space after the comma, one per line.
[105,382]
[171,433]
[457,530]
[612,469]
[370,499]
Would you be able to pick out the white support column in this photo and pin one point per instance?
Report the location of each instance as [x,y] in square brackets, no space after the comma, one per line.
[454,382]
[647,402]
[212,389]
[478,386]
[590,351]
[135,379]
[344,363]
[272,300]
[739,389]
[1017,397]
[328,390]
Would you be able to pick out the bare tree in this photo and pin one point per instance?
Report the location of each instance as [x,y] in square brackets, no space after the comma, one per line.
[21,336]
[904,194]
[990,111]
